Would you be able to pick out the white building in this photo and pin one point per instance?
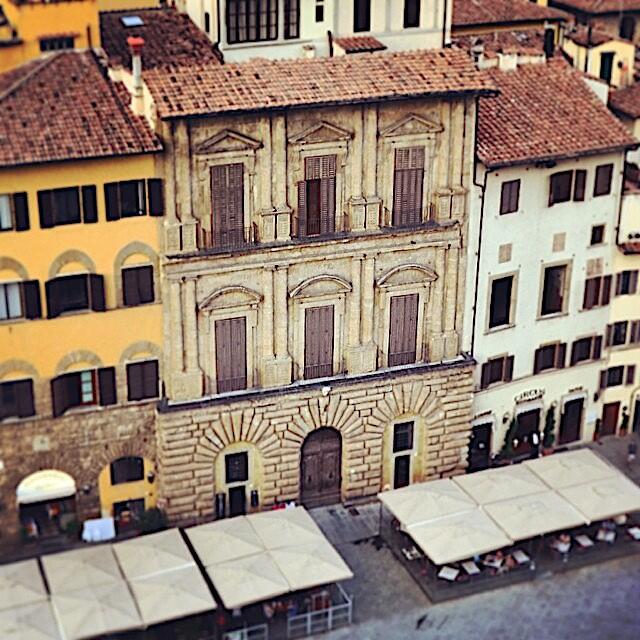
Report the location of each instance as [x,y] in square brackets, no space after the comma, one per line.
[548,184]
[295,28]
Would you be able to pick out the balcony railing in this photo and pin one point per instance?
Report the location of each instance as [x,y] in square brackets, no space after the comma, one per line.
[227,239]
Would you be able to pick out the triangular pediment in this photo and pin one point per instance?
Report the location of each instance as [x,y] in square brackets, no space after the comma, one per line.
[228,140]
[321,132]
[412,125]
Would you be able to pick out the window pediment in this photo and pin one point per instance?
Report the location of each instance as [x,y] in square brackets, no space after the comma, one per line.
[225,141]
[321,132]
[407,274]
[412,125]
[229,298]
[321,286]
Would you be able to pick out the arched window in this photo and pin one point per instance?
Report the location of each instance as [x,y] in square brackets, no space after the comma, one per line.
[127,469]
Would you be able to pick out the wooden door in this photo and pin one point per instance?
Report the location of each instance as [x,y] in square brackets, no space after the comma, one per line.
[609,424]
[571,421]
[402,471]
[321,468]
[528,433]
[237,501]
[479,448]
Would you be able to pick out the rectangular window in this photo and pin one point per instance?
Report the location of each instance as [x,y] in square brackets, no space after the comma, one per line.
[579,186]
[137,285]
[560,187]
[510,196]
[74,293]
[614,376]
[59,206]
[586,349]
[56,44]
[291,19]
[408,177]
[597,234]
[317,197]
[617,334]
[630,375]
[251,21]
[500,305]
[627,283]
[127,469]
[602,185]
[402,437]
[318,342]
[231,354]
[125,199]
[597,292]
[554,289]
[319,11]
[634,332]
[79,388]
[497,370]
[10,301]
[403,329]
[142,380]
[549,357]
[411,14]
[236,467]
[361,15]
[227,205]
[14,212]
[16,399]
[606,66]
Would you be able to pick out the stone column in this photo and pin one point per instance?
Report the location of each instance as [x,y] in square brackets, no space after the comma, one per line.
[277,367]
[190,323]
[361,357]
[451,336]
[183,186]
[267,314]
[370,166]
[357,202]
[280,177]
[175,337]
[436,304]
[171,224]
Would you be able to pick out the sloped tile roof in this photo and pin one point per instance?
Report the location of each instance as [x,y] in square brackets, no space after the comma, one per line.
[62,107]
[275,84]
[626,101]
[544,112]
[599,6]
[475,12]
[170,38]
[582,36]
[528,42]
[360,44]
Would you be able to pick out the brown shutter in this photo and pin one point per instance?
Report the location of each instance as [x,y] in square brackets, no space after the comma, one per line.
[407,186]
[603,379]
[591,293]
[31,297]
[156,199]
[150,378]
[53,291]
[107,385]
[508,369]
[634,332]
[618,283]
[145,284]
[231,354]
[24,398]
[537,360]
[130,293]
[227,206]
[135,385]
[403,326]
[579,186]
[96,288]
[89,204]
[328,194]
[561,355]
[606,290]
[484,377]
[21,211]
[574,353]
[631,374]
[112,200]
[45,208]
[597,348]
[302,209]
[633,282]
[609,336]
[318,342]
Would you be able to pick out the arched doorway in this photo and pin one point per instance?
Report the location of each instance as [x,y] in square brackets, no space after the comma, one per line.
[320,470]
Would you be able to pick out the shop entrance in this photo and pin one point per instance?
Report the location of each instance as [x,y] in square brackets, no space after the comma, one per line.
[609,424]
[479,448]
[571,421]
[320,469]
[528,434]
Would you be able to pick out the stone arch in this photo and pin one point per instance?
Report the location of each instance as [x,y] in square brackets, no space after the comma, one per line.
[132,249]
[407,274]
[140,347]
[10,264]
[9,366]
[72,255]
[76,357]
[320,285]
[230,297]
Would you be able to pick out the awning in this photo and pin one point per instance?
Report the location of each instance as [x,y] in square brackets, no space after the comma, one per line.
[29,622]
[81,568]
[426,501]
[151,554]
[285,527]
[45,485]
[310,565]
[605,498]
[534,515]
[458,537]
[96,610]
[501,483]
[21,583]
[247,580]
[224,540]
[171,595]
[562,470]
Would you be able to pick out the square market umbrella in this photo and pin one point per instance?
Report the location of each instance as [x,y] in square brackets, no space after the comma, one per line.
[33,621]
[285,527]
[21,583]
[562,470]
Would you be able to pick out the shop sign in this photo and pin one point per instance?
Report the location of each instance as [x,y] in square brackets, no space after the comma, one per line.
[529,395]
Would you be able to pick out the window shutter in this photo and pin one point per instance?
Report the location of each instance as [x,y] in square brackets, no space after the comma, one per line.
[318,338]
[328,197]
[96,288]
[609,336]
[150,379]
[107,385]
[574,354]
[606,290]
[239,353]
[597,347]
[631,374]
[53,292]
[112,200]
[579,186]
[508,368]
[145,284]
[231,354]
[130,293]
[537,361]
[135,382]
[302,209]
[403,325]
[31,296]
[633,282]
[618,284]
[156,197]
[591,293]
[21,211]
[484,377]
[89,204]
[603,379]
[24,397]
[45,209]
[561,355]
[60,395]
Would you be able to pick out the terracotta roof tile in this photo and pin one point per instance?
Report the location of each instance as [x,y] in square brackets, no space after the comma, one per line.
[544,112]
[62,107]
[529,42]
[582,36]
[171,38]
[599,6]
[630,248]
[626,101]
[475,12]
[275,84]
[360,44]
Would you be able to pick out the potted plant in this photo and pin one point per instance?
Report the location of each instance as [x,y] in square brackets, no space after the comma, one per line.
[549,433]
[507,450]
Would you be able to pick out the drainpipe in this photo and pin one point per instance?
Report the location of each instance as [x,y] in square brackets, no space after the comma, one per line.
[444,25]
[135,45]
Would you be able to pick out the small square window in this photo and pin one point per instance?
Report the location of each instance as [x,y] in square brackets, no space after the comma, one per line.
[236,467]
[597,234]
[403,437]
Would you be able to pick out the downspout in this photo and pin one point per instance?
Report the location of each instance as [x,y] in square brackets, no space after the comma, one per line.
[444,24]
[624,164]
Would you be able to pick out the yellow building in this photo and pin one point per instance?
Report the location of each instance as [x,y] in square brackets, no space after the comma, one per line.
[80,312]
[29,28]
[126,5]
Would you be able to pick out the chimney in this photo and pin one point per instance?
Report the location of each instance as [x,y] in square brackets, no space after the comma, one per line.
[549,41]
[477,52]
[135,45]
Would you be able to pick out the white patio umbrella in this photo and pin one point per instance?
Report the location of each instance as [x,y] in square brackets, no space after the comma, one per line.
[21,583]
[310,565]
[172,594]
[96,610]
[224,540]
[528,516]
[147,555]
[285,527]
[33,621]
[247,580]
[572,467]
[605,498]
[81,568]
[426,501]
[501,483]
[458,537]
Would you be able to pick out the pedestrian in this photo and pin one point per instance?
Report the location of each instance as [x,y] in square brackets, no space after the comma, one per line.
[624,422]
[632,449]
